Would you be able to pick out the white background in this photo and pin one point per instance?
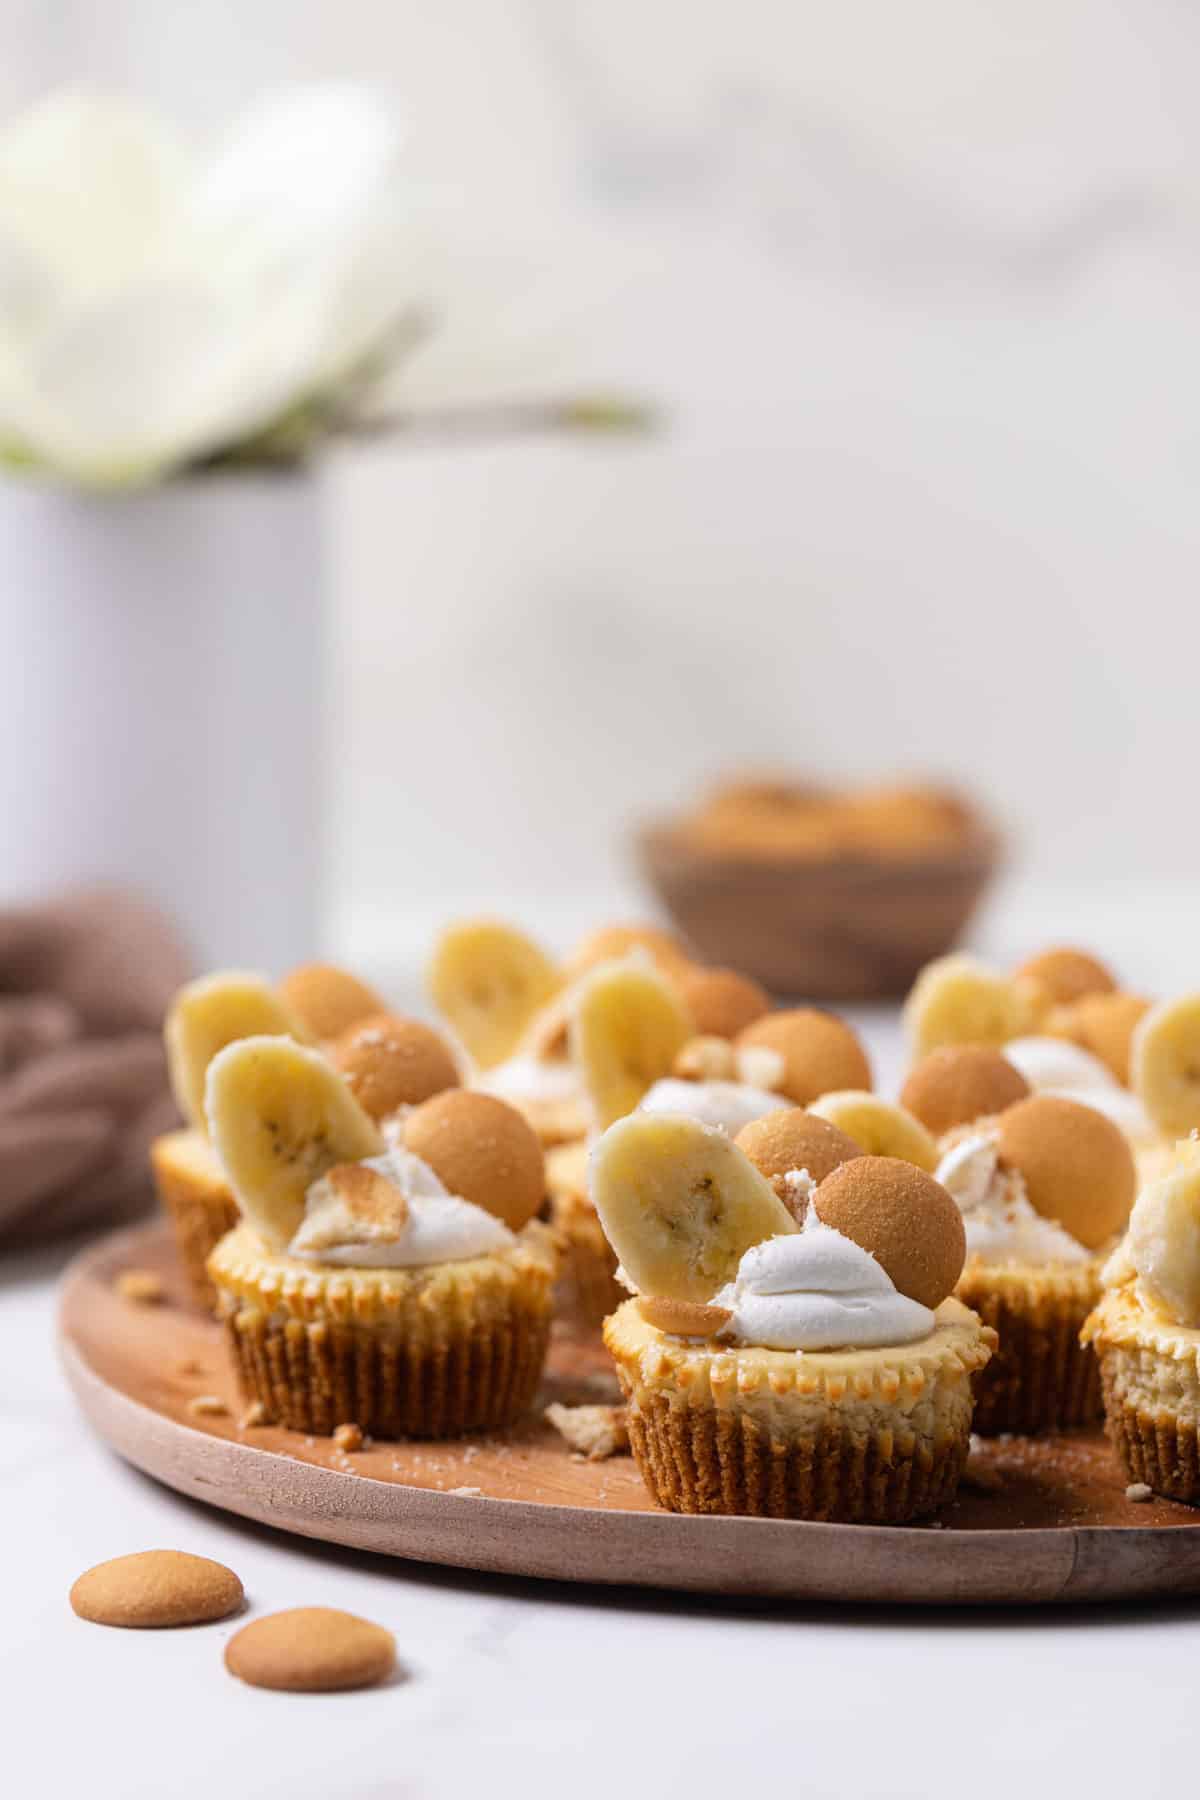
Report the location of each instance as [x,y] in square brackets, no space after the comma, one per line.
[917,288]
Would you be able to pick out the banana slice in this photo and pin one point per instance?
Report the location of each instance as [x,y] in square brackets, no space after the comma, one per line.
[879,1126]
[627,1026]
[1164,1064]
[280,1117]
[958,1000]
[680,1204]
[1163,1242]
[214,1011]
[488,981]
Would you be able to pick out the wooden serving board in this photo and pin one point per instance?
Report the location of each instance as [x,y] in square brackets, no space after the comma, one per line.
[1039,1520]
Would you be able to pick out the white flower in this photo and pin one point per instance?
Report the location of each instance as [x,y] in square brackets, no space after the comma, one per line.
[157,308]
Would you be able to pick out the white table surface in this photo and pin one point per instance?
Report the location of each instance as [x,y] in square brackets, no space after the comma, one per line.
[531,1689]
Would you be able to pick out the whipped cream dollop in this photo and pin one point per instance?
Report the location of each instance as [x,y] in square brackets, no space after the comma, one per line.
[1123,1108]
[1049,1062]
[535,1078]
[816,1289]
[1000,1222]
[430,1226]
[726,1104]
[1056,1066]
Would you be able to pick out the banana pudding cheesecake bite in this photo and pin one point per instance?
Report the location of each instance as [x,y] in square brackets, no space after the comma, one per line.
[1060,1020]
[1145,1332]
[404,1287]
[626,1025]
[389,1062]
[1045,1187]
[793,1357]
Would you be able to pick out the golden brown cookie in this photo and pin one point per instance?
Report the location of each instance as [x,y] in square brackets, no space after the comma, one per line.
[905,1219]
[794,1139]
[391,1062]
[1067,974]
[153,1589]
[483,1150]
[328,1000]
[609,942]
[721,1001]
[682,1318]
[369,1198]
[817,1052]
[1103,1024]
[311,1650]
[960,1083]
[1077,1165]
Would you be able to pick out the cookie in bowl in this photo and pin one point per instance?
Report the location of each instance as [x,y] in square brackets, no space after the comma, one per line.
[1145,1332]
[832,894]
[404,1288]
[814,1370]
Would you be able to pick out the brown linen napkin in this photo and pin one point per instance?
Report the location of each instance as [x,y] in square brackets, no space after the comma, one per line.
[84,982]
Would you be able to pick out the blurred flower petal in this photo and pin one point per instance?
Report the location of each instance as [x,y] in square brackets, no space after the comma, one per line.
[87,184]
[157,311]
[155,375]
[297,174]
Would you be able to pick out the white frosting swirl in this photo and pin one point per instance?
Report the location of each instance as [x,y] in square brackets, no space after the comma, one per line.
[1001,1225]
[1123,1108]
[1049,1062]
[816,1289]
[533,1078]
[439,1227]
[726,1104]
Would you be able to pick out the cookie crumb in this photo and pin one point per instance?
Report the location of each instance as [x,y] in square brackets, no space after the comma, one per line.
[467,1493]
[596,1431]
[1138,1490]
[142,1286]
[208,1406]
[189,1366]
[255,1414]
[978,1474]
[348,1437]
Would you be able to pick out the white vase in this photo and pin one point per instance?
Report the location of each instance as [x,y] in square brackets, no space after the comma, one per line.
[160,702]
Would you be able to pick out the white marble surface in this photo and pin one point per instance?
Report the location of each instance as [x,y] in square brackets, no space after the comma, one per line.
[530,1689]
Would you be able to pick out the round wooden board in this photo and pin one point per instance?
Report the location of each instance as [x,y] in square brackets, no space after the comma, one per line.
[1040,1521]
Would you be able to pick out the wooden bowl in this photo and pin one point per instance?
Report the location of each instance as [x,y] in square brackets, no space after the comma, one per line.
[842,928]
